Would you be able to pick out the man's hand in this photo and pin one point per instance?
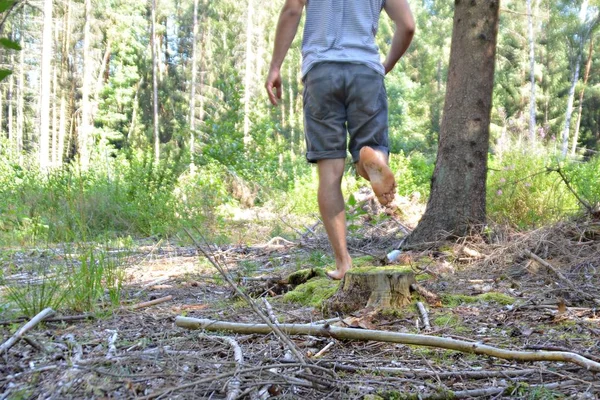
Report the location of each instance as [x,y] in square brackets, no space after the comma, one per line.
[287,26]
[273,85]
[399,12]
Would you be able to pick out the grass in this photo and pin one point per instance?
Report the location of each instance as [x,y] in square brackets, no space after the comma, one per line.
[88,281]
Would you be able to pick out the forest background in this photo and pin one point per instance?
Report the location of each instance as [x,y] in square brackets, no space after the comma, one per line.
[125,119]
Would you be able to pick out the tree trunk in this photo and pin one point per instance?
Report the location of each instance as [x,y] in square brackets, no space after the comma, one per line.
[248,71]
[586,76]
[532,102]
[569,113]
[579,41]
[62,130]
[193,88]
[378,288]
[155,85]
[20,131]
[45,88]
[9,103]
[85,126]
[458,187]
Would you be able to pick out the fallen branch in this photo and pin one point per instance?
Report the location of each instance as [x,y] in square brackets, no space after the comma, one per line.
[270,312]
[215,378]
[274,328]
[324,350]
[66,318]
[45,313]
[417,373]
[234,388]
[560,348]
[485,392]
[431,298]
[424,316]
[392,337]
[560,276]
[152,302]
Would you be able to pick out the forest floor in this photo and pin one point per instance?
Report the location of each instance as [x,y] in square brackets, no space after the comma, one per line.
[492,292]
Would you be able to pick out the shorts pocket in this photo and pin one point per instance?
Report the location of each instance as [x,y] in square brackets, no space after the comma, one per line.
[370,95]
[317,94]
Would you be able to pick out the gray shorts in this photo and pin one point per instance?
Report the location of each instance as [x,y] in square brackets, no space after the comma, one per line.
[342,99]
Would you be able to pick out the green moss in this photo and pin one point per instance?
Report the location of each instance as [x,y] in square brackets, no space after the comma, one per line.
[453,300]
[370,269]
[313,292]
[446,320]
[496,297]
[303,275]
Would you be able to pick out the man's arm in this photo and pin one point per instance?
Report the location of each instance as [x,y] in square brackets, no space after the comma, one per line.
[287,26]
[399,12]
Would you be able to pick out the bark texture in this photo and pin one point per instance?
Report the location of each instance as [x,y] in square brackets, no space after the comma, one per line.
[458,186]
[378,288]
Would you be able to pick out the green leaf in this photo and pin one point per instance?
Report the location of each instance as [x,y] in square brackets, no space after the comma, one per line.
[352,200]
[9,44]
[5,5]
[4,73]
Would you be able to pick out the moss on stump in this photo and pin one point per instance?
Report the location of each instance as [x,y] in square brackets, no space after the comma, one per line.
[376,287]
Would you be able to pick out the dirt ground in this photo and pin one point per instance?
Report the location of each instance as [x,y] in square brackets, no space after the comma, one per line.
[493,292]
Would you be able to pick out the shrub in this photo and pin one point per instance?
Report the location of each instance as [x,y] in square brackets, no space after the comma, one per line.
[521,191]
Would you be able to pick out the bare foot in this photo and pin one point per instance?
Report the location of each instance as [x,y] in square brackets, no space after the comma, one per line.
[372,164]
[339,273]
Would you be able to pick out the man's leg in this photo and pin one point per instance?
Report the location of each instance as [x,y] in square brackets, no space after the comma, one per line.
[333,213]
[373,166]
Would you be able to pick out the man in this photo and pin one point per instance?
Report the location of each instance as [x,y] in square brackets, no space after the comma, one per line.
[344,94]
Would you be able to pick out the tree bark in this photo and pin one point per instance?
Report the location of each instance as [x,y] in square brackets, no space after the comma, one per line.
[586,77]
[458,187]
[379,288]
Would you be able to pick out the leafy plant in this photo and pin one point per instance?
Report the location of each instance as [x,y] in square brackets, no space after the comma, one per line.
[6,5]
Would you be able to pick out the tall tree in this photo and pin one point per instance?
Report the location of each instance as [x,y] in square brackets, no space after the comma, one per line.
[85,126]
[193,87]
[586,77]
[458,186]
[579,39]
[45,88]
[532,100]
[248,70]
[154,45]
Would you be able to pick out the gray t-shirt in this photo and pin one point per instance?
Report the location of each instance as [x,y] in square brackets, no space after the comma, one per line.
[341,30]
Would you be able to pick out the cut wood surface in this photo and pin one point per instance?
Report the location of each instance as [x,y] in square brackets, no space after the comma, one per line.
[392,337]
[385,287]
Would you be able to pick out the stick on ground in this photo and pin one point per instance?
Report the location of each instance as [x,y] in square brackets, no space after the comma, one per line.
[45,313]
[392,337]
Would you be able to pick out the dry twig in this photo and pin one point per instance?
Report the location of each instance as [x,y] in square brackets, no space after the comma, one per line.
[424,316]
[274,328]
[45,313]
[152,302]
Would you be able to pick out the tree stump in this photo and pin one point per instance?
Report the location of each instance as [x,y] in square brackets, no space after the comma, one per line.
[373,287]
